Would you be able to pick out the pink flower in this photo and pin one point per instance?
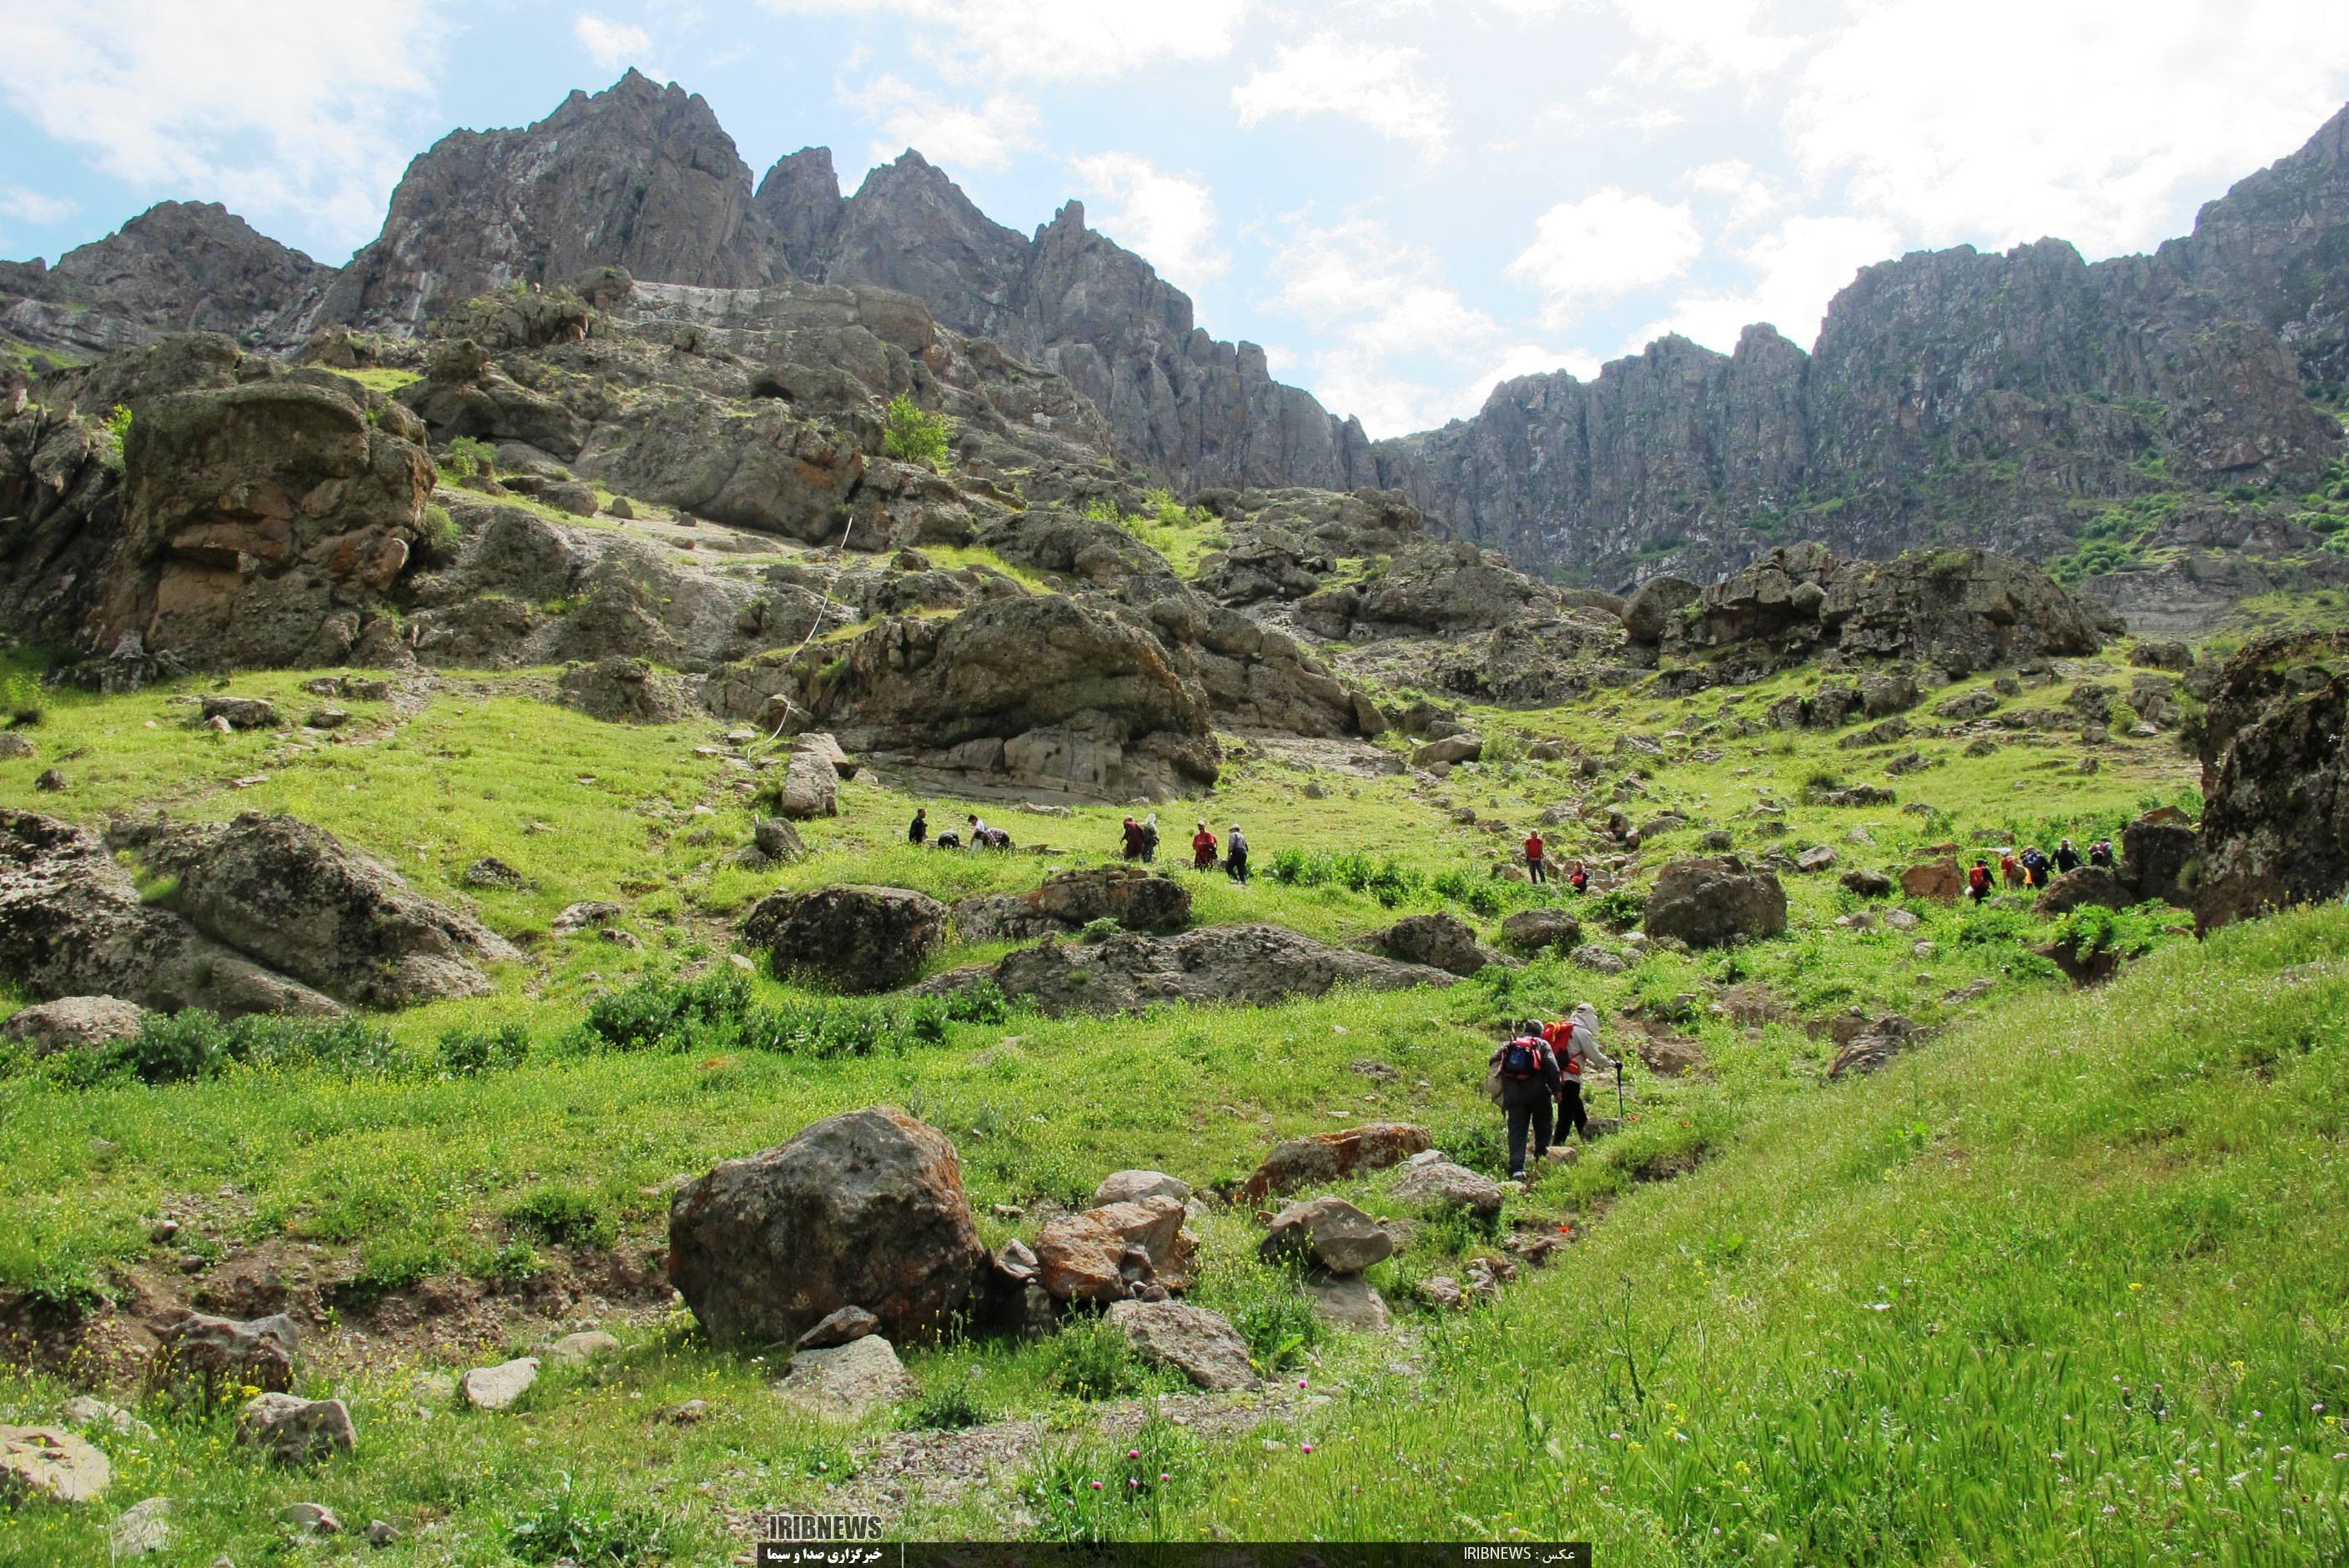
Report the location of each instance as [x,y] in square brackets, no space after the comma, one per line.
[1305,1447]
[1096,1486]
[1133,1453]
[1164,1476]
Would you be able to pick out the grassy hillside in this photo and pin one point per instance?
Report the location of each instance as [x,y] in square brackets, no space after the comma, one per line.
[1888,1301]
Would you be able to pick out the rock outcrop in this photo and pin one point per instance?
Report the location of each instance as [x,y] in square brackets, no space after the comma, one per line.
[854,939]
[1443,941]
[2275,778]
[1135,899]
[1712,901]
[862,1210]
[1246,964]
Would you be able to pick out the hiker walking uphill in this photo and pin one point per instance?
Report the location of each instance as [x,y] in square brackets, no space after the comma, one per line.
[1235,854]
[2100,853]
[2067,859]
[1978,879]
[1133,843]
[1522,1078]
[1535,867]
[1203,849]
[1149,838]
[1575,1043]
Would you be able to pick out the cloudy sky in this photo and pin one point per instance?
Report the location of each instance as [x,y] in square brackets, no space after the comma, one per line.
[1404,200]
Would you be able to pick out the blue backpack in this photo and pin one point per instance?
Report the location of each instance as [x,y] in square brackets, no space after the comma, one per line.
[1521,1059]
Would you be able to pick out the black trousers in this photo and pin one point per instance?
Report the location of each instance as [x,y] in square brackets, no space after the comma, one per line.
[1537,870]
[1525,1113]
[1235,867]
[1570,1109]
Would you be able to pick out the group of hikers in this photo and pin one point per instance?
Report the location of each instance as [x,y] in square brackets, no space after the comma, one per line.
[1140,846]
[974,835]
[2032,867]
[1540,1065]
[1577,876]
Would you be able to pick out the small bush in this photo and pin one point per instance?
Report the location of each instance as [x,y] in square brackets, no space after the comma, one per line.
[172,1047]
[1622,908]
[467,455]
[914,436]
[470,1053]
[439,530]
[1091,1360]
[21,701]
[953,1404]
[588,1528]
[564,1217]
[117,436]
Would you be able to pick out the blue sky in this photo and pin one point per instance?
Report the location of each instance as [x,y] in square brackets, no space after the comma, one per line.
[1404,200]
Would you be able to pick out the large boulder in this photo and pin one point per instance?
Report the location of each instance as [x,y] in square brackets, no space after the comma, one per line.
[1330,1231]
[296,898]
[1942,880]
[2084,885]
[1443,941]
[1542,930]
[1137,899]
[2275,778]
[73,923]
[1655,610]
[2158,852]
[811,786]
[1324,1157]
[50,1464]
[1712,901]
[1201,1344]
[855,939]
[1438,1184]
[626,691]
[217,1353]
[74,1023]
[1248,964]
[1085,1256]
[862,1210]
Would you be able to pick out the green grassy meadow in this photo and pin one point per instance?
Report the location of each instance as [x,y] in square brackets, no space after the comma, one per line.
[2059,1284]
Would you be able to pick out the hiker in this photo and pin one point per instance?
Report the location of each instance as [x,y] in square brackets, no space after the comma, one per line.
[949,839]
[1978,881]
[1534,868]
[2067,859]
[2009,868]
[2033,864]
[1132,840]
[2100,853]
[991,839]
[978,832]
[1578,879]
[1150,839]
[1522,1078]
[1236,856]
[919,829]
[1575,1043]
[1203,849]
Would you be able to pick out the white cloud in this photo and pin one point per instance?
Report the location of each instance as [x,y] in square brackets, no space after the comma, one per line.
[1605,244]
[1377,86]
[1744,196]
[32,207]
[1395,343]
[1168,218]
[953,135]
[2096,128]
[282,108]
[1797,268]
[1702,43]
[1047,40]
[610,44]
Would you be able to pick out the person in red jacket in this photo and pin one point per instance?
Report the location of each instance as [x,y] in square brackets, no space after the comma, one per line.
[1978,879]
[1203,849]
[1535,867]
[1575,1042]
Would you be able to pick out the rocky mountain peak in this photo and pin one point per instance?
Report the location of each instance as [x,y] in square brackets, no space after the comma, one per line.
[800,200]
[637,176]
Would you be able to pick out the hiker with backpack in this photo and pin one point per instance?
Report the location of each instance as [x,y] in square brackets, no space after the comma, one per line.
[1978,881]
[1203,849]
[1150,839]
[2067,859]
[1522,1078]
[919,828]
[2100,853]
[1574,1041]
[1235,854]
[2011,869]
[1534,867]
[1132,840]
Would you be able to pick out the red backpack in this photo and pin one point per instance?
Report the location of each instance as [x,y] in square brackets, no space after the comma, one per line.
[1561,1037]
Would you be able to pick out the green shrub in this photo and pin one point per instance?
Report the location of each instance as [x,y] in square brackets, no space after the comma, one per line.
[174,1047]
[589,1528]
[471,1052]
[439,530]
[1622,908]
[910,435]
[466,456]
[564,1217]
[1090,1360]
[21,701]
[951,1405]
[718,1012]
[117,436]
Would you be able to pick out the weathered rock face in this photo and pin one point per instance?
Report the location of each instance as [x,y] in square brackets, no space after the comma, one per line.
[624,690]
[1253,964]
[295,898]
[1137,899]
[1963,609]
[50,1464]
[2275,778]
[2156,850]
[1709,903]
[1089,1256]
[72,923]
[864,1210]
[74,1022]
[1032,694]
[1333,1156]
[294,1431]
[1441,940]
[219,1353]
[1437,1184]
[179,266]
[1328,1231]
[2085,885]
[1541,930]
[856,939]
[1201,1344]
[845,1382]
[637,176]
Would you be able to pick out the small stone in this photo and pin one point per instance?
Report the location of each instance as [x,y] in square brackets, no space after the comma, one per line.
[1333,1232]
[51,781]
[1133,1186]
[490,871]
[841,1327]
[310,1519]
[499,1387]
[379,1533]
[163,1231]
[328,718]
[573,1349]
[295,1430]
[142,1529]
[1349,1301]
[82,1410]
[842,1384]
[692,1410]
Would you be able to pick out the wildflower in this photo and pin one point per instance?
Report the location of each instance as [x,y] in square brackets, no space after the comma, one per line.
[1131,1482]
[1305,1447]
[2134,1285]
[1133,1453]
[1164,1476]
[1300,1382]
[1097,1486]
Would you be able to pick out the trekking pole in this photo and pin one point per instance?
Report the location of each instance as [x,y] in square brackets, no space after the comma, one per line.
[1618,1092]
